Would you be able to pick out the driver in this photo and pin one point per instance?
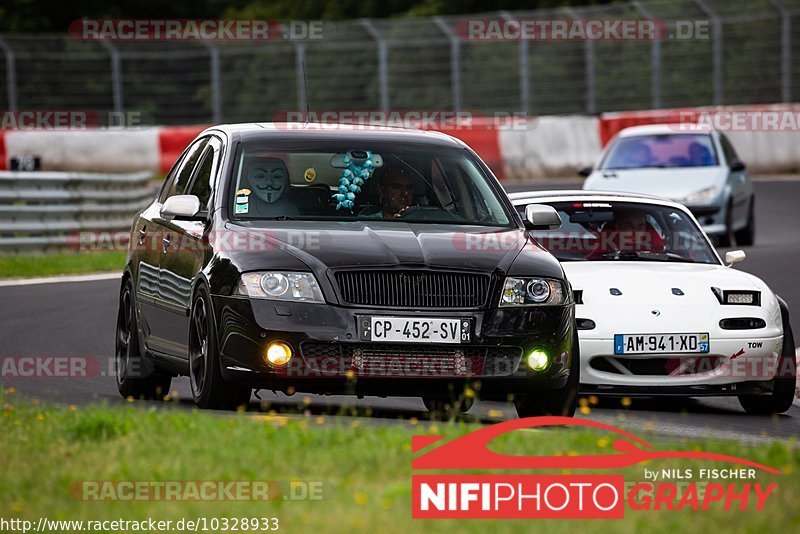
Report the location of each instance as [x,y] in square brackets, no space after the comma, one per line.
[638,154]
[269,180]
[395,193]
[629,231]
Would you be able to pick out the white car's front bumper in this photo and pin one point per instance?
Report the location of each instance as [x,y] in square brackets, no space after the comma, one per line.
[730,361]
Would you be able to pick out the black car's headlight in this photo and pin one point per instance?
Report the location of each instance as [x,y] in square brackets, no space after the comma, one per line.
[280,285]
[532,292]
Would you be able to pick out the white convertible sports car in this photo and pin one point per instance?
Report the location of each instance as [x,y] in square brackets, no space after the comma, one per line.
[658,312]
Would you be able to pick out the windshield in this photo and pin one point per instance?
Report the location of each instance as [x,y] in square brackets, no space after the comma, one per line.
[624,231]
[370,182]
[669,150]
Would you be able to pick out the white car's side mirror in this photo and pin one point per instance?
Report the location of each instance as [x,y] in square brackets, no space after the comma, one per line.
[180,207]
[734,256]
[542,217]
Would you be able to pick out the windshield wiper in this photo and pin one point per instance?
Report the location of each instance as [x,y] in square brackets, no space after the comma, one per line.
[646,256]
[279,218]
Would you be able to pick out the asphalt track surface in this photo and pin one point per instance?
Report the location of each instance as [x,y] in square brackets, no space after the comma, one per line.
[78,319]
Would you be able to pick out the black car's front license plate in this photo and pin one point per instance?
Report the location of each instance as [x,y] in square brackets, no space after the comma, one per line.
[415,329]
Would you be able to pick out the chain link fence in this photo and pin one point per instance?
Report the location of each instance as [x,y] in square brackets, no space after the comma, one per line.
[748,56]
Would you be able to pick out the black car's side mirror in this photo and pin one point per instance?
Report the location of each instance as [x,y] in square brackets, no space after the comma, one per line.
[585,172]
[737,166]
[182,207]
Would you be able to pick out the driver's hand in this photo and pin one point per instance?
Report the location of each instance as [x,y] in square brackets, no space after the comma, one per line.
[401,212]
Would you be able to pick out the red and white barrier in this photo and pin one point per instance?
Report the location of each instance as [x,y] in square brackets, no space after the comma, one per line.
[543,147]
[549,146]
[86,150]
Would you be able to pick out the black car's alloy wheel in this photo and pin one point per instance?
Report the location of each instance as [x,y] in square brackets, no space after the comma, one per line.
[127,355]
[209,389]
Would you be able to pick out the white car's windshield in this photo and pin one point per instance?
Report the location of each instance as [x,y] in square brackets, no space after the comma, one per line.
[663,151]
[624,231]
[347,181]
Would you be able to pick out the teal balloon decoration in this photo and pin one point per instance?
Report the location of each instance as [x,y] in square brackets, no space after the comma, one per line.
[354,176]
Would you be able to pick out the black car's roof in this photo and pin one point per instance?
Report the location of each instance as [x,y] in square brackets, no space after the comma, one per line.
[254,131]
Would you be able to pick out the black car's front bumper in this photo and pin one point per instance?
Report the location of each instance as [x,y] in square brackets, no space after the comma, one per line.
[330,357]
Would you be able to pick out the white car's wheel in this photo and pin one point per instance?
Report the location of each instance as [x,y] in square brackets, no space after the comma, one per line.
[783,387]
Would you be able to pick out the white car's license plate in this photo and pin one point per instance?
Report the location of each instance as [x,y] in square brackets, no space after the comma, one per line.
[660,343]
[415,329]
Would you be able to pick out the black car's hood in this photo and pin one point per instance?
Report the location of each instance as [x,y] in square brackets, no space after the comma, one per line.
[333,245]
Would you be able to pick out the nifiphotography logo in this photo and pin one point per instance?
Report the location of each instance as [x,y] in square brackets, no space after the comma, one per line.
[574,496]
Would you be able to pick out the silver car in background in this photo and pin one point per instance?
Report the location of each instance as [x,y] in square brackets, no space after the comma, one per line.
[691,164]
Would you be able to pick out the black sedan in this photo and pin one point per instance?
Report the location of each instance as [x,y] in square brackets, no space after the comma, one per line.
[366,261]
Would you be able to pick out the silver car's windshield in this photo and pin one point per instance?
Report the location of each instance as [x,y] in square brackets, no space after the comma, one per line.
[624,231]
[662,151]
[351,181]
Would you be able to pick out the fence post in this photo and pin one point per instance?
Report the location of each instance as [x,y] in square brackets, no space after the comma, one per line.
[655,60]
[589,55]
[524,82]
[300,68]
[455,61]
[786,50]
[11,75]
[116,75]
[716,29]
[383,63]
[216,92]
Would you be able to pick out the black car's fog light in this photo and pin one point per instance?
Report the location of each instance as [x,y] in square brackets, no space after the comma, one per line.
[278,353]
[538,360]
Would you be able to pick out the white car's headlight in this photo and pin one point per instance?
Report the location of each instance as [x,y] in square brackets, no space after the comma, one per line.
[531,292]
[280,285]
[704,196]
[743,297]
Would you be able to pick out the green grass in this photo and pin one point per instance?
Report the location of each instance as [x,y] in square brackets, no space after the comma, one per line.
[366,469]
[61,263]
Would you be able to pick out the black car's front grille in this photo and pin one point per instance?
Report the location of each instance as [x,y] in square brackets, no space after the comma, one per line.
[406,360]
[413,289]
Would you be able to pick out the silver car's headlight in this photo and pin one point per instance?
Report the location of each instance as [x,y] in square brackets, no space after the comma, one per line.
[704,196]
[532,292]
[280,285]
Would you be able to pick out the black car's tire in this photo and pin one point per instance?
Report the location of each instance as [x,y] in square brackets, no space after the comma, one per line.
[783,387]
[726,239]
[747,235]
[128,357]
[562,401]
[209,389]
